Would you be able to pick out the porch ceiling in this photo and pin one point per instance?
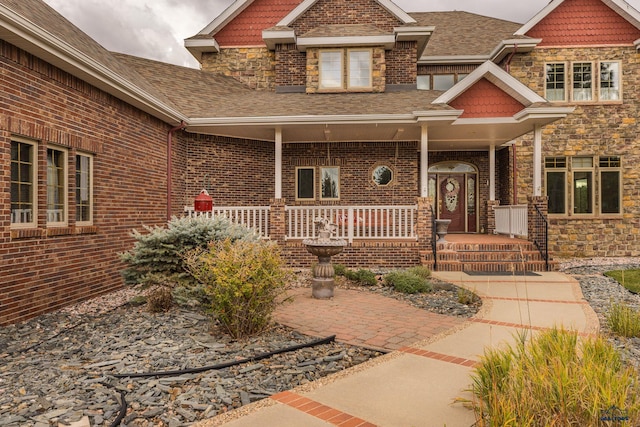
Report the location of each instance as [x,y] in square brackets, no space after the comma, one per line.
[444,133]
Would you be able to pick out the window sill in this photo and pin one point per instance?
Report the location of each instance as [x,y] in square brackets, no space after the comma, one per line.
[39,233]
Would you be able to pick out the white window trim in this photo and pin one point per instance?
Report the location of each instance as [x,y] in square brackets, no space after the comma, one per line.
[594,79]
[298,168]
[51,222]
[90,221]
[34,182]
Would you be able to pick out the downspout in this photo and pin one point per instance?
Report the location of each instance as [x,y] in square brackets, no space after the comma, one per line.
[515,165]
[182,125]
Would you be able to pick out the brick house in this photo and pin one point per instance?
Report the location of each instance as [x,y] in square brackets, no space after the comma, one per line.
[379,119]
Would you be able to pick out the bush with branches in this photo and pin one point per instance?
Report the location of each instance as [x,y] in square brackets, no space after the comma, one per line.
[244,281]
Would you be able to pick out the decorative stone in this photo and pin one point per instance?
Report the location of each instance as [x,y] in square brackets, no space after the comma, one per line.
[324,247]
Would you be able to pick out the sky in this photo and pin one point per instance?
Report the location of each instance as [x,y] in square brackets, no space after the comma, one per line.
[156,29]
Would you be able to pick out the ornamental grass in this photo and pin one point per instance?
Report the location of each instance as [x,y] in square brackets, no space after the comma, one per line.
[555,379]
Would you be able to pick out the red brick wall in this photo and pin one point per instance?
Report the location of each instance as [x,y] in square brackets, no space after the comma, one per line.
[291,66]
[340,12]
[213,163]
[401,64]
[44,269]
[356,184]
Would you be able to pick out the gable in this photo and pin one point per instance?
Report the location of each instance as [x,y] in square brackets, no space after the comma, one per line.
[582,23]
[345,12]
[484,99]
[246,28]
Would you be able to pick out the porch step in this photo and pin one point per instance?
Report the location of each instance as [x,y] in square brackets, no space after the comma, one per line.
[519,256]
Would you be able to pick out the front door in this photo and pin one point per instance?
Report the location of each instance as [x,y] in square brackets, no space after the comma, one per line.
[452,201]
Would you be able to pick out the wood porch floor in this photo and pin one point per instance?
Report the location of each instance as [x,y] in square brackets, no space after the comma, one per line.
[486,253]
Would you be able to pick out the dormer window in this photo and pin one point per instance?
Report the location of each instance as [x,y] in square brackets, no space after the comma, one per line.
[345,69]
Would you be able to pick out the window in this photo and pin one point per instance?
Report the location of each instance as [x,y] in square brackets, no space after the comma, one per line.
[556,183]
[585,84]
[609,81]
[23,179]
[56,186]
[330,182]
[331,69]
[582,82]
[582,185]
[305,183]
[358,69]
[555,84]
[443,81]
[586,180]
[382,175]
[439,81]
[610,188]
[84,189]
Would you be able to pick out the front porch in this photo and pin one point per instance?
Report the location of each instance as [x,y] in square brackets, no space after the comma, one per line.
[388,237]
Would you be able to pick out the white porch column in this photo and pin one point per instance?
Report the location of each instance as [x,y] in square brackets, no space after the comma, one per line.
[492,172]
[424,162]
[537,161]
[278,166]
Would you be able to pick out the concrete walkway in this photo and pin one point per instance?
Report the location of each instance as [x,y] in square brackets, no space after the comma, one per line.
[419,383]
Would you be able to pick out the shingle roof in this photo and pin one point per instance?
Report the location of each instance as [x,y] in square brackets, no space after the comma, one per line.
[39,14]
[464,33]
[201,94]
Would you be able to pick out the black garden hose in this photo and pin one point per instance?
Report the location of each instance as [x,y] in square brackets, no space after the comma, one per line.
[255,358]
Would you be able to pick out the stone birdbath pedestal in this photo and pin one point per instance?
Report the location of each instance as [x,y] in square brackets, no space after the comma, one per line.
[324,247]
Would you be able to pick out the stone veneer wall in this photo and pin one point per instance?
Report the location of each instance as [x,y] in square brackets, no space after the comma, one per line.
[592,130]
[253,66]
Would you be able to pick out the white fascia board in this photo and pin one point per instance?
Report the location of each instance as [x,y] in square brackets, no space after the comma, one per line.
[412,33]
[543,112]
[41,43]
[226,16]
[538,17]
[637,44]
[506,47]
[625,10]
[497,76]
[306,42]
[286,120]
[199,46]
[306,4]
[274,37]
[461,59]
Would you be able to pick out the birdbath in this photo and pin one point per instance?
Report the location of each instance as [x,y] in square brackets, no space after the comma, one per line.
[324,247]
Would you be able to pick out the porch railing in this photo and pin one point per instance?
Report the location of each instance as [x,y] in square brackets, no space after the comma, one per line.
[540,238]
[434,238]
[256,217]
[354,222]
[511,220]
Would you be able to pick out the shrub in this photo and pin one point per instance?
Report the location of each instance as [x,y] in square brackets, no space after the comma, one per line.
[420,271]
[554,380]
[340,270]
[244,281]
[159,251]
[159,299]
[362,276]
[623,320]
[406,282]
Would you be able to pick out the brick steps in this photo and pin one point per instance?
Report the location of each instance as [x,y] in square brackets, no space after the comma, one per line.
[487,257]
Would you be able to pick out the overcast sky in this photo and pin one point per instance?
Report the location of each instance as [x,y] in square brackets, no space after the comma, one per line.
[156,29]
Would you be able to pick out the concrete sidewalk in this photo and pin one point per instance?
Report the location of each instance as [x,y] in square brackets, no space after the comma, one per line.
[419,383]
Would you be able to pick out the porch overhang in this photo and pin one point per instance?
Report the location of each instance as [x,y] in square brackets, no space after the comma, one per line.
[447,130]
